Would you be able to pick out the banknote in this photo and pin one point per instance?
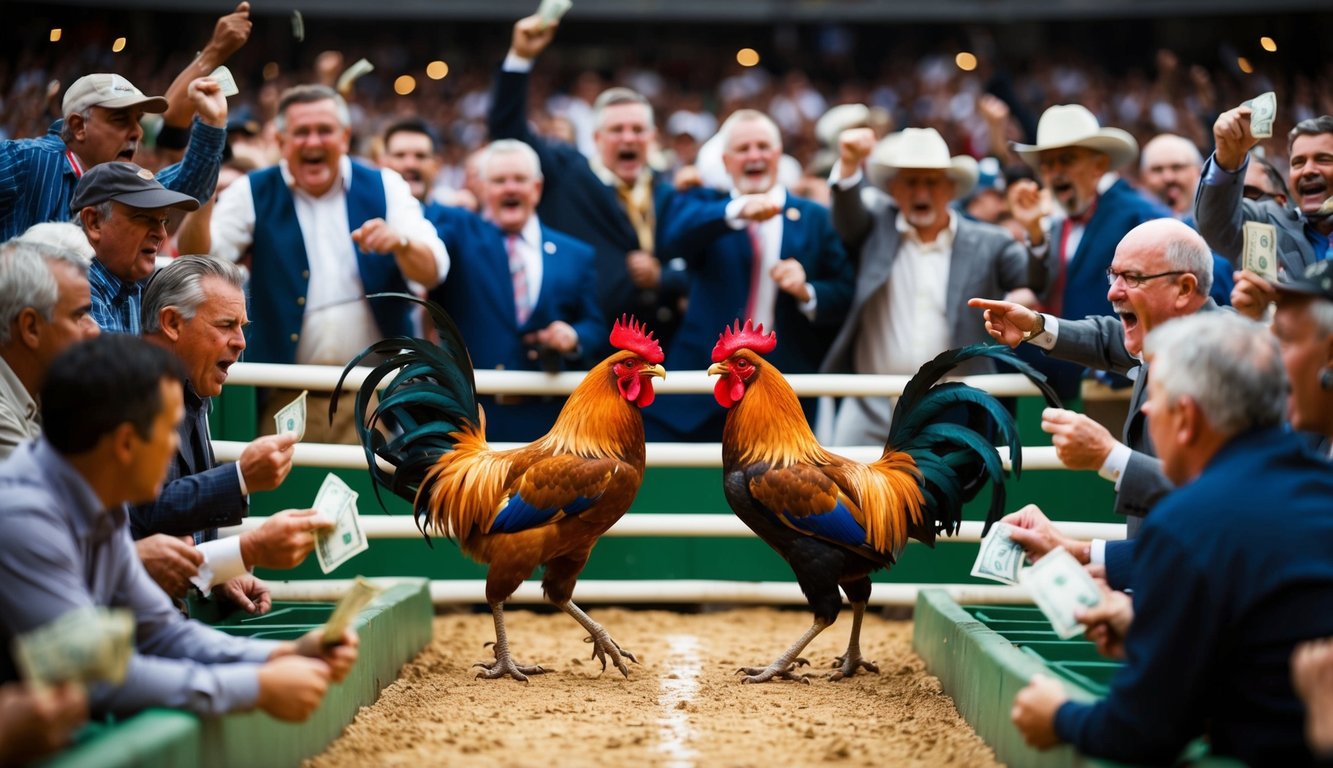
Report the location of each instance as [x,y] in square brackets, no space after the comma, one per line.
[292,416]
[1260,249]
[86,645]
[1059,585]
[551,11]
[1263,108]
[347,609]
[999,558]
[225,81]
[339,544]
[350,75]
[298,26]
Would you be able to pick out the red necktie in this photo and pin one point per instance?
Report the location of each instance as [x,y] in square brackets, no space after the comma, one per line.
[1055,301]
[756,268]
[518,271]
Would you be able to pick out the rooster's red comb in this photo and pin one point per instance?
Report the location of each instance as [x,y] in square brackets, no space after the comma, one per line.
[631,335]
[734,338]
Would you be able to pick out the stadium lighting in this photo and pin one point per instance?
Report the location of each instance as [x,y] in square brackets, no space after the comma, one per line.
[118,46]
[965,61]
[1268,44]
[1245,65]
[747,57]
[55,35]
[404,85]
[437,70]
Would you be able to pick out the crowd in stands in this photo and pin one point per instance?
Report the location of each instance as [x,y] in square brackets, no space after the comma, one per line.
[872,225]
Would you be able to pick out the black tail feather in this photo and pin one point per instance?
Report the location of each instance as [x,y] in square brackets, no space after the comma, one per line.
[949,430]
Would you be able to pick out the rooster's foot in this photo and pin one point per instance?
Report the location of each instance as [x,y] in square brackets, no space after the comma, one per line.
[764,674]
[849,665]
[504,665]
[604,646]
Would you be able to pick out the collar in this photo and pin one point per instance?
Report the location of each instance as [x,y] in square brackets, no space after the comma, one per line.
[613,181]
[118,289]
[86,513]
[531,234]
[19,393]
[343,182]
[193,402]
[907,230]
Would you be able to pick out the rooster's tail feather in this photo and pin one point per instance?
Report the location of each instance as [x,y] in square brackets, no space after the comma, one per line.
[957,460]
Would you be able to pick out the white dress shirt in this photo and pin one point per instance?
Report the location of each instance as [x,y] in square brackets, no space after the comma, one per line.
[338,322]
[770,241]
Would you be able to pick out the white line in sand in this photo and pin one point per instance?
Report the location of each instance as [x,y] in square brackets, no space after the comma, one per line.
[678,689]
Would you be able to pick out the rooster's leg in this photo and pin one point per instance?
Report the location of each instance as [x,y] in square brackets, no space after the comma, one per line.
[504,663]
[602,643]
[782,667]
[850,662]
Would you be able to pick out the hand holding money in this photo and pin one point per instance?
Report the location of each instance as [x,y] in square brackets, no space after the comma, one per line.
[1108,623]
[531,36]
[340,657]
[292,416]
[345,540]
[351,74]
[551,11]
[86,645]
[1260,251]
[1263,108]
[1233,138]
[347,609]
[999,557]
[1062,590]
[266,461]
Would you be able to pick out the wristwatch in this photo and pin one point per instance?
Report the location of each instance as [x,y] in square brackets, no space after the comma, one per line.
[1037,329]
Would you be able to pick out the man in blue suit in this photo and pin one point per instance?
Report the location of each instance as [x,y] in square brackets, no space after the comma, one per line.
[1232,569]
[760,254]
[1076,159]
[522,294]
[613,202]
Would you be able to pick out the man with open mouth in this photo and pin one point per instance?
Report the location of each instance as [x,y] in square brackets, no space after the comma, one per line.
[1222,209]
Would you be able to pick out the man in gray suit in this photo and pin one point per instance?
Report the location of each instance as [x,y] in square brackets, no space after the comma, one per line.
[1161,270]
[1221,212]
[918,262]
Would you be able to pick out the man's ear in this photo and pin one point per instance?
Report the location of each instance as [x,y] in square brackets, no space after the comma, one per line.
[124,441]
[76,125]
[28,327]
[1189,285]
[92,224]
[172,323]
[1189,421]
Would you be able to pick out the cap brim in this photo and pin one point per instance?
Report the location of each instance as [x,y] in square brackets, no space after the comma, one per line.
[157,198]
[152,104]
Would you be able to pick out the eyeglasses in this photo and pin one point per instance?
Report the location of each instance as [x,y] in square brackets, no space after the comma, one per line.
[1251,192]
[1134,279]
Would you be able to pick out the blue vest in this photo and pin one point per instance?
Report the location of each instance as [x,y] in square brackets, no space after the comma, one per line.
[280,268]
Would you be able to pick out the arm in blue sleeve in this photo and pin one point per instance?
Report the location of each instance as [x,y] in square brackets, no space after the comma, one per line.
[197,173]
[208,499]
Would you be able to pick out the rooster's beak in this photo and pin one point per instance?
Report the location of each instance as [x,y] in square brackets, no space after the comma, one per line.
[654,370]
[717,369]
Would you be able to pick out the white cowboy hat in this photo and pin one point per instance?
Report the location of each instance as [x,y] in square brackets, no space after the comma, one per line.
[925,149]
[838,119]
[1072,125]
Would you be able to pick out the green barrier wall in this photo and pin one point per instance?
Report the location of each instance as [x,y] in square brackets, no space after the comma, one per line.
[1064,495]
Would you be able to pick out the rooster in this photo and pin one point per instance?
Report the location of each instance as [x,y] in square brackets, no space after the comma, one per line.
[834,520]
[544,504]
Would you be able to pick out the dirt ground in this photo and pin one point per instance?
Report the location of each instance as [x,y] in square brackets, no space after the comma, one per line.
[683,704]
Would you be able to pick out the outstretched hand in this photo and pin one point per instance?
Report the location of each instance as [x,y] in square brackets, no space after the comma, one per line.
[1006,321]
[531,36]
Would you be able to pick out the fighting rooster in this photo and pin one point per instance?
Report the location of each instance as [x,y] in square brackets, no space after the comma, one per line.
[544,504]
[834,520]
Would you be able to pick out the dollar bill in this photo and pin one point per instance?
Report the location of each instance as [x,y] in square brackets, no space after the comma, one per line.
[86,645]
[347,609]
[298,26]
[1059,585]
[292,416]
[225,81]
[1263,108]
[1260,252]
[350,75]
[345,540]
[551,11]
[999,559]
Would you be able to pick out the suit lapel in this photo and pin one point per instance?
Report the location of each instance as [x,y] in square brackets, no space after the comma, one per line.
[964,244]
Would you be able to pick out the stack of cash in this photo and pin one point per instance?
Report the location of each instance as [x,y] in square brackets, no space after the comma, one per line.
[348,608]
[339,544]
[86,645]
[1058,584]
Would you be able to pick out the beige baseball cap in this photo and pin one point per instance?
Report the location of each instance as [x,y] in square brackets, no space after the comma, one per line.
[110,91]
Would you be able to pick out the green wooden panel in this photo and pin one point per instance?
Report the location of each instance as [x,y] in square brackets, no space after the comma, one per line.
[157,738]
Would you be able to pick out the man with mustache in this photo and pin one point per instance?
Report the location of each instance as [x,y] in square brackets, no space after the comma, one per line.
[1162,270]
[1076,159]
[123,209]
[1220,207]
[761,254]
[323,232]
[613,202]
[518,289]
[195,308]
[919,262]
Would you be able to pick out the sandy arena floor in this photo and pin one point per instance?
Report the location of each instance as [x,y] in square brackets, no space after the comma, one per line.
[683,704]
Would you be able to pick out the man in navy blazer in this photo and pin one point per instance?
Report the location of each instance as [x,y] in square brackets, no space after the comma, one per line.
[758,254]
[522,294]
[1232,570]
[195,308]
[1302,233]
[613,202]
[1076,159]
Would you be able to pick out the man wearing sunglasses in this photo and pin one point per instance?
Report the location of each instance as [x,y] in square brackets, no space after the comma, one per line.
[1161,270]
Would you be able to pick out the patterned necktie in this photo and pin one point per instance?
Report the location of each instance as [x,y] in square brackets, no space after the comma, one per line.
[637,200]
[518,272]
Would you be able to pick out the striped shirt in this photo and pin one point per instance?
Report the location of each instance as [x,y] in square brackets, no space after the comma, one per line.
[37,181]
[116,303]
